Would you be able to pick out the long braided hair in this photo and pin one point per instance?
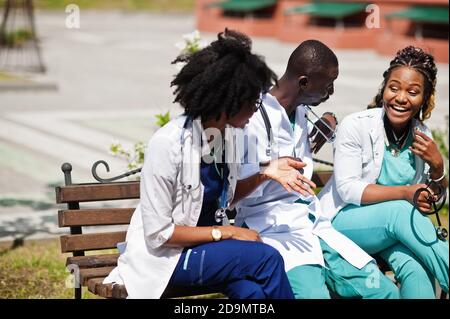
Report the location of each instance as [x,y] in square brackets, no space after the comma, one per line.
[223,77]
[422,62]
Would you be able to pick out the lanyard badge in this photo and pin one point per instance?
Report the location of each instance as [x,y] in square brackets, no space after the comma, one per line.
[221,213]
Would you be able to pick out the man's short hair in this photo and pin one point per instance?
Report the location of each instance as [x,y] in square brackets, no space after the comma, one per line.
[311,56]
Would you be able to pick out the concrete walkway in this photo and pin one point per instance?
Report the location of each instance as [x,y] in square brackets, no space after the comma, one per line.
[113,76]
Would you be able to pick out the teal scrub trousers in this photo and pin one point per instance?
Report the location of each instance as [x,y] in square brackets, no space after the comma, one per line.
[342,278]
[405,238]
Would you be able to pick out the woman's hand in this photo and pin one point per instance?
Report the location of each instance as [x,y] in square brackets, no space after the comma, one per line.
[423,202]
[285,170]
[424,147]
[239,233]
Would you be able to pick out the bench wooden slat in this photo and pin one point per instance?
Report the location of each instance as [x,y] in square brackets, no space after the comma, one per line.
[92,282]
[94,217]
[71,243]
[119,292]
[321,178]
[93,261]
[124,190]
[97,192]
[181,291]
[89,273]
[96,286]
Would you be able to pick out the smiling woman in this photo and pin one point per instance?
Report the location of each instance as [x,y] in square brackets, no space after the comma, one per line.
[417,71]
[403,96]
[408,92]
[382,157]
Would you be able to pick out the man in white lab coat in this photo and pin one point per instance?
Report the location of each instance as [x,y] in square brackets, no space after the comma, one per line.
[317,257]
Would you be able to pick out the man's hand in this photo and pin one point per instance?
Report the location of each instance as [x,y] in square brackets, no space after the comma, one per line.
[318,140]
[286,171]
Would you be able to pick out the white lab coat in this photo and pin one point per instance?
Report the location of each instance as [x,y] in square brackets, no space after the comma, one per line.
[146,265]
[358,157]
[272,211]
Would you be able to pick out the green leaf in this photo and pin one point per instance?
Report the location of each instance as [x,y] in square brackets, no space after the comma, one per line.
[162,119]
[115,148]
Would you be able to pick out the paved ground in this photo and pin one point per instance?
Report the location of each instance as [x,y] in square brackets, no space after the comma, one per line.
[113,76]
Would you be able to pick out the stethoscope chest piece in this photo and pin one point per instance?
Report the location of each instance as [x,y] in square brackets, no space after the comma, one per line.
[221,216]
[442,233]
[436,204]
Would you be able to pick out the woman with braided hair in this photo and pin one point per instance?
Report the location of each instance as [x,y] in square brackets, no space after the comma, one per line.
[189,175]
[382,156]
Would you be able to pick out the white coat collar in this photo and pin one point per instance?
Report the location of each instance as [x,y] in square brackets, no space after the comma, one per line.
[377,131]
[377,139]
[194,149]
[192,134]
[286,138]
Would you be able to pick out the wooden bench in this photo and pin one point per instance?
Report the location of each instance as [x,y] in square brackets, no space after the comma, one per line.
[90,270]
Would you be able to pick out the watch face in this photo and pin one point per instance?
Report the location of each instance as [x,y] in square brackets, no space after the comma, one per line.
[216,234]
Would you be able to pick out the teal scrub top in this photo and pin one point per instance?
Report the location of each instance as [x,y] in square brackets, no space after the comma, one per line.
[400,169]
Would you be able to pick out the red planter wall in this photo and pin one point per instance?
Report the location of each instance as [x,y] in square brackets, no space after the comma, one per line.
[387,39]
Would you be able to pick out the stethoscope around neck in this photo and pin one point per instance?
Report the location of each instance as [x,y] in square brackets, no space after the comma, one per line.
[220,214]
[269,132]
[188,124]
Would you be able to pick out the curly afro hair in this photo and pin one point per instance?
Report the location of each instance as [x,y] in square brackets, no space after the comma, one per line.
[420,61]
[223,77]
